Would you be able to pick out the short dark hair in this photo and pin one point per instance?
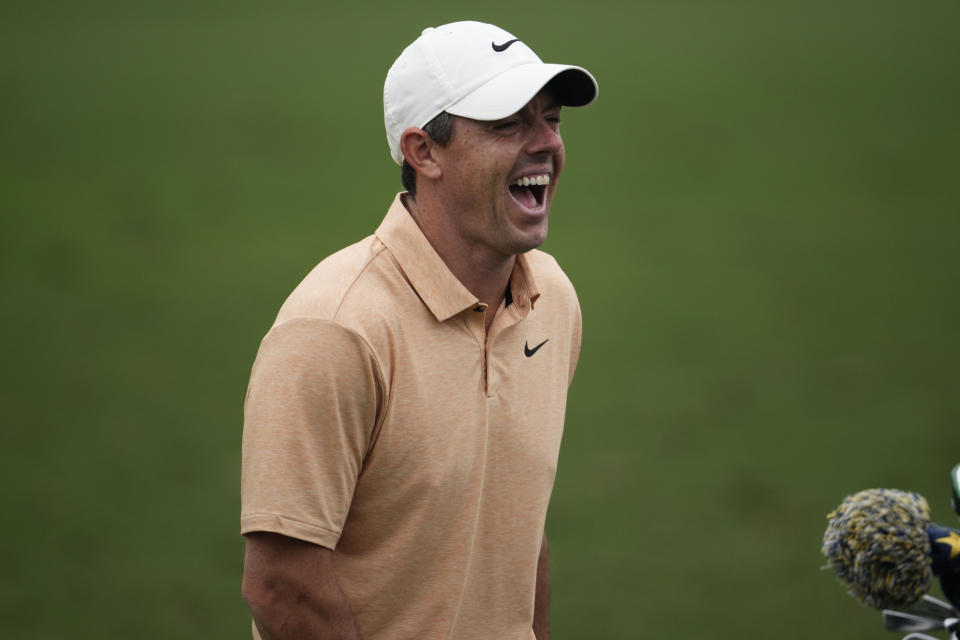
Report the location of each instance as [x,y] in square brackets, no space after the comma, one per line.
[440,130]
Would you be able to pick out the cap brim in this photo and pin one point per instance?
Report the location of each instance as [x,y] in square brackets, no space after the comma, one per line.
[510,91]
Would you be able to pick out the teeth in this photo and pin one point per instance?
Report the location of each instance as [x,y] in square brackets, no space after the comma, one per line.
[526,181]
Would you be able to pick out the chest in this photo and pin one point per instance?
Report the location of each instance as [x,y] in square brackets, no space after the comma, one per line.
[462,403]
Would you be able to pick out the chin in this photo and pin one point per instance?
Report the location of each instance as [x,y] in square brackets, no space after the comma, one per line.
[529,241]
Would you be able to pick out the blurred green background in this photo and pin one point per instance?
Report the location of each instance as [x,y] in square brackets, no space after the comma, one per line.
[760,215]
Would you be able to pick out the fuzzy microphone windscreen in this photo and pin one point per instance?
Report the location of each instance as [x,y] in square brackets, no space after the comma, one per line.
[876,542]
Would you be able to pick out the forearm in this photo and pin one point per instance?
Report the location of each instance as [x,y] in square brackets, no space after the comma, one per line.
[541,604]
[292,592]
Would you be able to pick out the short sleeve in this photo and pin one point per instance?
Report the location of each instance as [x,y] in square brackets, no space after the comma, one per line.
[311,411]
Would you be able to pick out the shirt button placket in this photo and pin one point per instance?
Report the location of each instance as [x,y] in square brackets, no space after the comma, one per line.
[478,327]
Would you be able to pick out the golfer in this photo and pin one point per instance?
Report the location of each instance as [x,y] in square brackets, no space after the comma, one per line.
[404,413]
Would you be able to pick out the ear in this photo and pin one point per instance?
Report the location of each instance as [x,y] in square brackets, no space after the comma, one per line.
[417,148]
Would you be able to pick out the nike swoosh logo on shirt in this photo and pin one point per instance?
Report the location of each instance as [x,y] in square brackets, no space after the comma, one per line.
[527,351]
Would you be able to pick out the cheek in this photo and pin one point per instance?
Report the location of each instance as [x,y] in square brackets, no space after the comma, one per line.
[490,175]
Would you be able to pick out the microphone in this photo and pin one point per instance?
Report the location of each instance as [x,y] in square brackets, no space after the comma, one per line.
[881,544]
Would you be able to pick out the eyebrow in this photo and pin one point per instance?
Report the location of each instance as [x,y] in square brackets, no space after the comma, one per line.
[552,104]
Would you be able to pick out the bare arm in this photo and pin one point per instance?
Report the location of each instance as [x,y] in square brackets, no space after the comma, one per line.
[541,604]
[291,590]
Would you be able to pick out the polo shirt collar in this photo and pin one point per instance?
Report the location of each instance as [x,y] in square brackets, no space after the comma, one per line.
[429,275]
[523,288]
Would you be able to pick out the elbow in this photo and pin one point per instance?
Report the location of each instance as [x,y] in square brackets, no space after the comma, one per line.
[263,599]
[250,592]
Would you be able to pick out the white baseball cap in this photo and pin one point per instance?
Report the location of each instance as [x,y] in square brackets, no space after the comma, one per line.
[474,70]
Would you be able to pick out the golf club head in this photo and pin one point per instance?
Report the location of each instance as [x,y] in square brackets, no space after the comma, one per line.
[934,608]
[900,621]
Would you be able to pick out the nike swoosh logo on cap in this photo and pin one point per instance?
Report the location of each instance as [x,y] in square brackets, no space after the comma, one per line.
[503,47]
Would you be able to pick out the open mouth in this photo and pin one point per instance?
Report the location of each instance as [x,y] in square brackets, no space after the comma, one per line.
[529,191]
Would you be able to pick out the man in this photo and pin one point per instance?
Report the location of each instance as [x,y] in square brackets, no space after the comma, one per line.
[404,414]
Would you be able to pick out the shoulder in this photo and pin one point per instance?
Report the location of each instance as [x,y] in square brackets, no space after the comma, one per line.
[352,287]
[353,291]
[322,292]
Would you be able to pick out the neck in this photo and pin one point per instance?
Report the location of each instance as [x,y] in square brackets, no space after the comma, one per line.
[484,273]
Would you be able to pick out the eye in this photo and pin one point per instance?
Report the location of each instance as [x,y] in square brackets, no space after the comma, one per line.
[506,125]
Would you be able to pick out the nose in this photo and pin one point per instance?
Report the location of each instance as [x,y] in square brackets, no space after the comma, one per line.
[545,137]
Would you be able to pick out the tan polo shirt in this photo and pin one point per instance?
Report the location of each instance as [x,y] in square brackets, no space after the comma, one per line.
[382,421]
